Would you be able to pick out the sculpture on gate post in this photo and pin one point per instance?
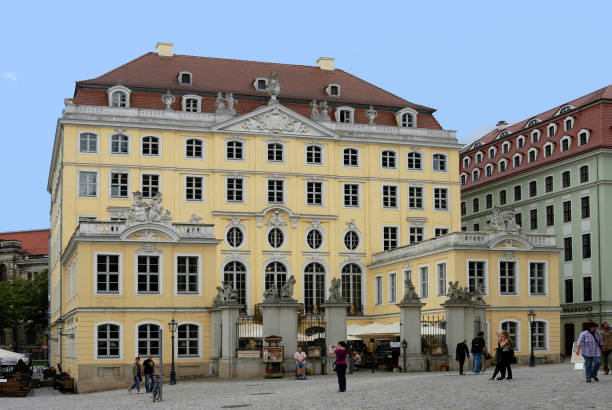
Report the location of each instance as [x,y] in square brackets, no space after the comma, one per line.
[335,292]
[271,293]
[457,294]
[226,294]
[286,292]
[410,295]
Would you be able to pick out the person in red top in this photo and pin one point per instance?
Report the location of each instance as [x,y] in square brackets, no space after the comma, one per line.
[341,351]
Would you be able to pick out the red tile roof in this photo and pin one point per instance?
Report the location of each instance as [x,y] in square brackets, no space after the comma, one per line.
[217,74]
[34,242]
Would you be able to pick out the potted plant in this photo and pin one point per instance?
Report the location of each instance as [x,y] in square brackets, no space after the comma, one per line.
[444,366]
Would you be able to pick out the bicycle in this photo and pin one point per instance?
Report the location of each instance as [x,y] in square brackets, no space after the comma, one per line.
[156,389]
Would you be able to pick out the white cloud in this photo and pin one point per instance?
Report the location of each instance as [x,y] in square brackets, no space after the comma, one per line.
[10,76]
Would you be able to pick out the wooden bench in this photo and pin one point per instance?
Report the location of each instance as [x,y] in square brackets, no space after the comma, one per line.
[15,387]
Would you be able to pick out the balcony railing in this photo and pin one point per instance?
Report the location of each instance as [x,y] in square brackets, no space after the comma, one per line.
[183,230]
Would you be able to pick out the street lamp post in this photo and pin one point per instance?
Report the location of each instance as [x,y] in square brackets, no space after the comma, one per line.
[172,325]
[404,347]
[532,316]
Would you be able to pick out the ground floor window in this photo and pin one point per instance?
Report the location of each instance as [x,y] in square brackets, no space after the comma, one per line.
[539,335]
[148,340]
[188,340]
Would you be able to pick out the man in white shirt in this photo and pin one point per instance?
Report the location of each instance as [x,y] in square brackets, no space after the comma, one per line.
[300,363]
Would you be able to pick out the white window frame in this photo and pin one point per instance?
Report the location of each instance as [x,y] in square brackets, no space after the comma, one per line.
[95,341]
[200,341]
[161,274]
[398,235]
[159,146]
[284,201]
[239,140]
[95,273]
[244,189]
[359,237]
[479,157]
[244,237]
[345,108]
[441,292]
[486,274]
[180,78]
[552,126]
[283,152]
[159,180]
[136,339]
[533,149]
[506,146]
[536,135]
[257,81]
[466,161]
[546,291]
[378,290]
[552,149]
[358,158]
[358,195]
[410,228]
[464,178]
[419,270]
[395,158]
[110,179]
[440,227]
[283,243]
[491,152]
[421,160]
[191,97]
[329,87]
[399,117]
[517,280]
[517,342]
[446,162]
[98,141]
[203,177]
[323,201]
[423,197]
[129,143]
[392,291]
[476,174]
[520,141]
[546,336]
[323,238]
[569,144]
[448,199]
[202,141]
[499,165]
[121,88]
[199,291]
[520,157]
[588,136]
[572,120]
[93,171]
[319,146]
[397,196]
[490,167]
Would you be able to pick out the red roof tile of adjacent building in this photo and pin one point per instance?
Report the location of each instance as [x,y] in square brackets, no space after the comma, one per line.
[35,242]
[237,76]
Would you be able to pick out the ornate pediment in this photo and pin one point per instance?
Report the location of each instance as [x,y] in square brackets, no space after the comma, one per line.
[148,235]
[275,119]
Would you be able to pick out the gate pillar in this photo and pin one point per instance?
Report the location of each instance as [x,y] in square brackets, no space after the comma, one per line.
[280,319]
[335,328]
[410,331]
[229,321]
[215,340]
[458,327]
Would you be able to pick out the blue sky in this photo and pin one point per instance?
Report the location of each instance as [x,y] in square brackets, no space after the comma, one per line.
[475,62]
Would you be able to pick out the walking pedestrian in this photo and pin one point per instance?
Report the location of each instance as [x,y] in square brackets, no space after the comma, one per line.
[507,351]
[590,345]
[498,356]
[137,375]
[461,353]
[341,351]
[606,335]
[478,347]
[149,372]
[300,363]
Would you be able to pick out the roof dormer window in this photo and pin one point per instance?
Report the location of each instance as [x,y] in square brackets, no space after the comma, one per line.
[185,78]
[345,114]
[260,84]
[478,157]
[406,118]
[119,96]
[533,122]
[506,147]
[568,123]
[466,162]
[192,103]
[333,90]
[520,141]
[552,130]
[492,152]
[535,136]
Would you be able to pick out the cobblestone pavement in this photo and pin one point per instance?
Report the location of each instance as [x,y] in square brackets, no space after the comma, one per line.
[545,387]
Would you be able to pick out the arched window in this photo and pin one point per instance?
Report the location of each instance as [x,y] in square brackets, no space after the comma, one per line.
[194,148]
[234,273]
[276,238]
[566,143]
[506,147]
[492,152]
[314,239]
[532,155]
[260,84]
[88,143]
[352,287]
[185,78]
[568,123]
[148,340]
[464,178]
[466,162]
[489,170]
[475,175]
[439,162]
[345,114]
[535,136]
[415,160]
[520,142]
[533,122]
[276,152]
[479,157]
[517,159]
[314,155]
[108,345]
[549,148]
[235,150]
[119,96]
[351,240]
[503,165]
[234,237]
[120,144]
[275,273]
[407,120]
[314,286]
[188,340]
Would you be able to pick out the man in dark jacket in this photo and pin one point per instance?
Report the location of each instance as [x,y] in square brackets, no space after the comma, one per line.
[478,348]
[461,353]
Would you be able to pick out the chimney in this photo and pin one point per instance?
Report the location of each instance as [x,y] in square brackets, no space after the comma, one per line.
[164,49]
[501,125]
[326,63]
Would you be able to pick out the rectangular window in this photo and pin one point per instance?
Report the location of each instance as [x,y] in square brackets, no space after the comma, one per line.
[314,155]
[550,215]
[533,188]
[234,151]
[585,207]
[584,174]
[587,289]
[441,275]
[194,188]
[489,200]
[88,143]
[387,159]
[389,196]
[565,179]
[567,249]
[120,144]
[378,290]
[475,205]
[392,287]
[440,232]
[502,197]
[350,157]
[235,189]
[476,227]
[567,211]
[188,340]
[586,245]
[414,160]
[275,152]
[150,146]
[539,335]
[390,237]
[351,195]
[476,275]
[119,185]
[276,191]
[569,291]
[537,278]
[187,274]
[533,219]
[424,281]
[415,197]
[107,274]
[441,199]
[150,185]
[148,274]
[463,209]
[314,193]
[507,278]
[518,219]
[88,183]
[517,193]
[416,234]
[548,183]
